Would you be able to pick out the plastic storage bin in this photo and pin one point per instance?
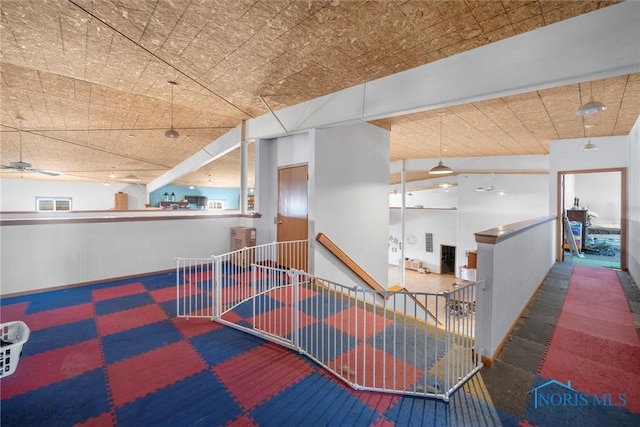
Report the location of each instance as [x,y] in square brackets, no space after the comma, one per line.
[14,335]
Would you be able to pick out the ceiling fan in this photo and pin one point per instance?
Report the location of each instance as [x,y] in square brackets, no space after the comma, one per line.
[21,166]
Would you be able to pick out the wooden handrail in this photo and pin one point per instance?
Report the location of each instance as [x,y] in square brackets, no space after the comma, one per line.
[353,266]
[400,288]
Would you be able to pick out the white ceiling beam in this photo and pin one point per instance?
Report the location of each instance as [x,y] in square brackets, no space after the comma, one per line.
[214,150]
[600,44]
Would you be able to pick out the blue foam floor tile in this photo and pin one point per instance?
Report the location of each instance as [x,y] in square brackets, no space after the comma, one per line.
[419,411]
[123,303]
[245,309]
[56,299]
[414,348]
[61,404]
[159,281]
[224,343]
[132,342]
[317,400]
[332,344]
[323,306]
[198,400]
[59,336]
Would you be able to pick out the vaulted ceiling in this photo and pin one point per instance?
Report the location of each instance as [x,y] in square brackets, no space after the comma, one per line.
[91,78]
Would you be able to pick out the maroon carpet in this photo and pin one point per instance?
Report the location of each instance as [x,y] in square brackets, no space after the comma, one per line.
[595,344]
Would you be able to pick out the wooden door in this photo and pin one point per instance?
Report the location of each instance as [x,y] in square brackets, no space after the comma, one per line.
[292,220]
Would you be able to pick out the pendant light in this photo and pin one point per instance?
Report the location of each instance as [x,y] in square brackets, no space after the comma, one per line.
[131,178]
[440,169]
[172,133]
[592,106]
[589,146]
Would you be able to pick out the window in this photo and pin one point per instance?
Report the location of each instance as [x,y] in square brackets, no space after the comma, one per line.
[50,204]
[216,204]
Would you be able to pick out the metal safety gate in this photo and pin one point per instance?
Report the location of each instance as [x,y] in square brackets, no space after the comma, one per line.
[387,342]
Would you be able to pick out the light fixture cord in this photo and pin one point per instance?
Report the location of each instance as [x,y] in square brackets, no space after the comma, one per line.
[440,137]
[20,121]
[172,85]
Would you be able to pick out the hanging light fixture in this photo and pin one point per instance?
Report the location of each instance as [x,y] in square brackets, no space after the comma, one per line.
[479,188]
[209,180]
[592,106]
[172,133]
[589,146]
[131,178]
[445,184]
[440,169]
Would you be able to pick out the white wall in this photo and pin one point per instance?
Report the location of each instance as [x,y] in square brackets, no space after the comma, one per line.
[294,149]
[613,152]
[349,182]
[266,190]
[442,224]
[597,191]
[507,280]
[39,256]
[20,194]
[600,193]
[567,155]
[633,207]
[525,198]
[435,198]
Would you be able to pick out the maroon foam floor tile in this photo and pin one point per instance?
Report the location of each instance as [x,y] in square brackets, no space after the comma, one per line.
[141,375]
[128,319]
[600,362]
[52,366]
[368,323]
[12,312]
[279,321]
[118,291]
[59,316]
[192,327]
[371,367]
[164,294]
[600,328]
[261,373]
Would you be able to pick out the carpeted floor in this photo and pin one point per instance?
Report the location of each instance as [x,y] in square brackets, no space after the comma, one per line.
[595,345]
[115,354]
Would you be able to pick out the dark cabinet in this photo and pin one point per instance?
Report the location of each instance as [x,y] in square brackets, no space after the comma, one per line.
[579,215]
[200,201]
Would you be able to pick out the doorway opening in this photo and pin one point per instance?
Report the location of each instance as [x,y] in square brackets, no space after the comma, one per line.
[594,203]
[447,259]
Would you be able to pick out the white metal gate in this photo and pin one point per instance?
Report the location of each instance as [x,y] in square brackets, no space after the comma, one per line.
[372,341]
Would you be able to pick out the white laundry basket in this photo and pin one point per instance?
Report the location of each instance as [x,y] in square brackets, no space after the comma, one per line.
[14,335]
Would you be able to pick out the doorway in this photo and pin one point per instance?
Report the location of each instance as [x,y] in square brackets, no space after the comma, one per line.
[292,220]
[595,203]
[447,259]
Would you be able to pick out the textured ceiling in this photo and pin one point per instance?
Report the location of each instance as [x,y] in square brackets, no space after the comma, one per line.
[90,78]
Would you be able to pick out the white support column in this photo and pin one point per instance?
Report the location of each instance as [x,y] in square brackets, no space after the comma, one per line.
[402,212]
[244,168]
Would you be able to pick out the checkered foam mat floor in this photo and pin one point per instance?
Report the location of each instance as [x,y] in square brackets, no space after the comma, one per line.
[115,354]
